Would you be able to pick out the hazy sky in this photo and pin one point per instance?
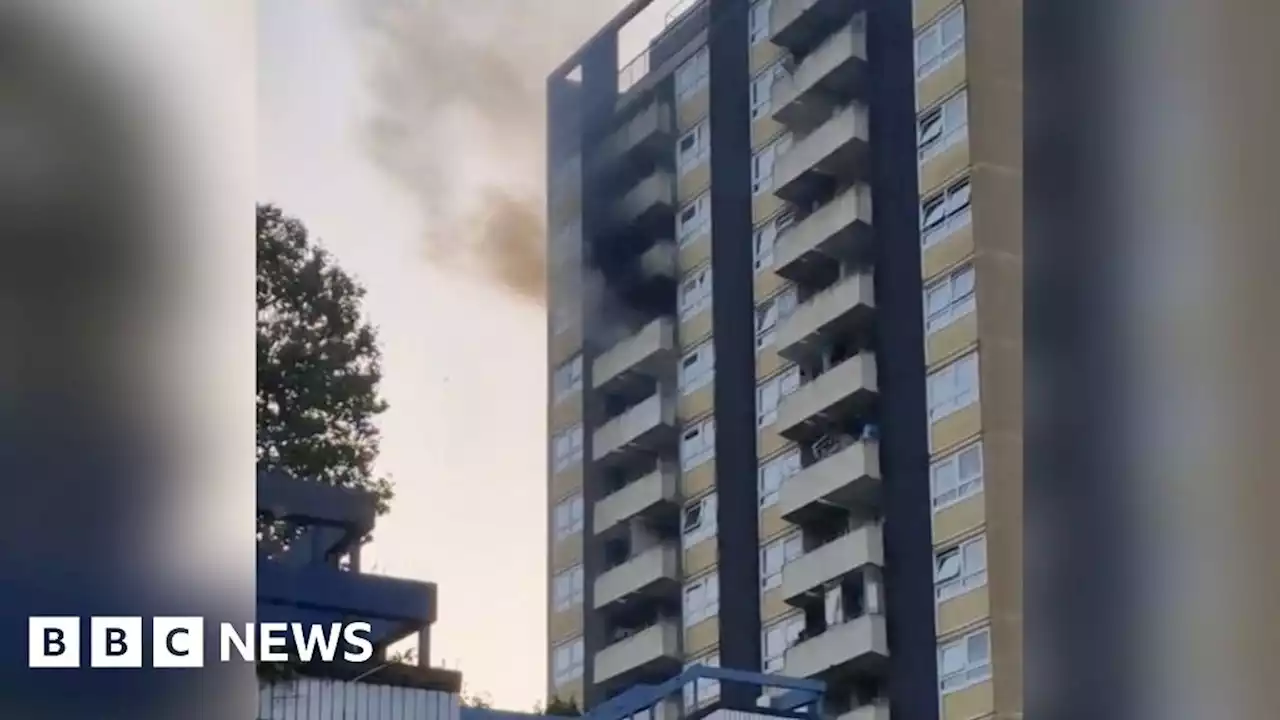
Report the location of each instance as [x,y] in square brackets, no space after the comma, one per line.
[464,358]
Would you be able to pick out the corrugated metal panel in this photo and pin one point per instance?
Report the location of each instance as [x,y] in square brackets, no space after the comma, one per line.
[725,714]
[322,699]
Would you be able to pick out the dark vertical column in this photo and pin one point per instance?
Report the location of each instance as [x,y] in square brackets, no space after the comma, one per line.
[599,93]
[900,365]
[733,307]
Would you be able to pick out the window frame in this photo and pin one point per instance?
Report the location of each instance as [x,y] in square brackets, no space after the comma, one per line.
[970,672]
[784,466]
[572,435]
[692,303]
[968,576]
[783,549]
[705,526]
[957,307]
[945,111]
[945,53]
[574,665]
[952,218]
[706,432]
[758,23]
[572,522]
[701,150]
[573,369]
[763,162]
[707,589]
[771,312]
[777,387]
[571,580]
[959,398]
[962,487]
[789,628]
[691,76]
[704,354]
[704,690]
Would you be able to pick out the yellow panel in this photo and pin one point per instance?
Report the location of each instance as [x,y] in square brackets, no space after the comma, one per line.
[565,624]
[695,329]
[764,206]
[695,252]
[566,553]
[698,480]
[565,345]
[769,442]
[702,636]
[767,283]
[963,610]
[700,556]
[945,254]
[772,524]
[926,10]
[956,520]
[693,109]
[768,362]
[942,167]
[772,606]
[566,481]
[955,428]
[693,182]
[763,130]
[764,54]
[567,412]
[951,340]
[972,702]
[941,82]
[698,403]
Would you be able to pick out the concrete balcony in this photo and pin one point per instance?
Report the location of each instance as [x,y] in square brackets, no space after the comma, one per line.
[838,393]
[651,132]
[658,490]
[643,428]
[801,24]
[644,353]
[825,315]
[840,229]
[858,644]
[836,559]
[874,711]
[848,478]
[649,203]
[655,571]
[654,650]
[837,149]
[828,77]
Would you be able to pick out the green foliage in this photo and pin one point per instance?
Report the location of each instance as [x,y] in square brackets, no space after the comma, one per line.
[475,700]
[561,708]
[319,365]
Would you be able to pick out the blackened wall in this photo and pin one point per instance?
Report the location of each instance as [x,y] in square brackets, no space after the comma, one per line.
[733,320]
[900,365]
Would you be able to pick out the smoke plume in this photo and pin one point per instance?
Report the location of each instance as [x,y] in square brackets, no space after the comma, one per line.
[457,120]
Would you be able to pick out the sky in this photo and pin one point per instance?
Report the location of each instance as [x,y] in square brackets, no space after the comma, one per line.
[429,224]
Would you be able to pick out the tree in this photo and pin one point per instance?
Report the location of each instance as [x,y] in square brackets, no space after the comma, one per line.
[319,365]
[474,700]
[561,708]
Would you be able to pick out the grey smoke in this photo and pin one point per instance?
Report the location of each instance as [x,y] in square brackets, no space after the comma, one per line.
[457,90]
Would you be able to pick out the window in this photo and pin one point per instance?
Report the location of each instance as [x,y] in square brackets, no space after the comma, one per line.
[771,312]
[697,368]
[568,516]
[948,299]
[941,41]
[695,293]
[567,588]
[943,126]
[953,387]
[758,21]
[567,448]
[693,218]
[691,76]
[777,554]
[956,476]
[965,661]
[762,164]
[692,147]
[567,379]
[701,599]
[567,661]
[698,444]
[762,90]
[944,213]
[771,392]
[960,569]
[766,236]
[703,690]
[777,639]
[772,474]
[699,521]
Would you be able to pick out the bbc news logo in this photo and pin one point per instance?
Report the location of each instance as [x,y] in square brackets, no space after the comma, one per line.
[178,642]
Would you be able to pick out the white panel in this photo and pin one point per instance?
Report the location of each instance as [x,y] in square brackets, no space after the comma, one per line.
[317,699]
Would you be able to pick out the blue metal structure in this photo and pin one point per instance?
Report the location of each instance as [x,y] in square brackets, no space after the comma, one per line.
[317,579]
